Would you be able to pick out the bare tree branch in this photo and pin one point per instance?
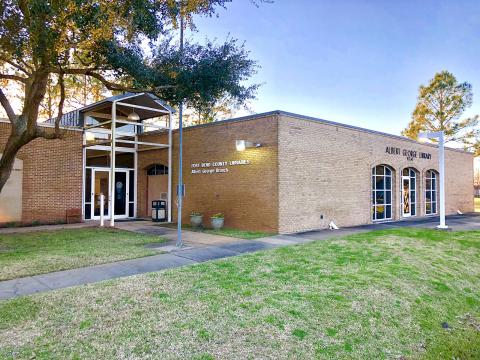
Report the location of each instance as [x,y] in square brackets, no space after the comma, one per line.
[15,65]
[13,77]
[42,132]
[60,104]
[109,84]
[6,105]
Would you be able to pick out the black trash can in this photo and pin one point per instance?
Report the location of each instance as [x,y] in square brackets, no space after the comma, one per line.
[159,210]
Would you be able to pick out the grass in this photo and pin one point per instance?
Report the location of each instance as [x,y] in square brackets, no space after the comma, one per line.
[477,204]
[46,251]
[240,234]
[396,294]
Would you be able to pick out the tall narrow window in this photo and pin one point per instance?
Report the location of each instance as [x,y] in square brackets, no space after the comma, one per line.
[381,193]
[431,183]
[409,192]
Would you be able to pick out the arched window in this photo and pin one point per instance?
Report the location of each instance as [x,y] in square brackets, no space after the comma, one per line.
[431,185]
[409,192]
[157,169]
[382,192]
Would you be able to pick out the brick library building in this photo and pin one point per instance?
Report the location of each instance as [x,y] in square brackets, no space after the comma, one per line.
[276,172]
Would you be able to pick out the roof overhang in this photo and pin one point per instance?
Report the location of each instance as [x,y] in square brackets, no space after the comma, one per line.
[146,105]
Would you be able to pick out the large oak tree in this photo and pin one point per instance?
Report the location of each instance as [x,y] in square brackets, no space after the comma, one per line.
[125,45]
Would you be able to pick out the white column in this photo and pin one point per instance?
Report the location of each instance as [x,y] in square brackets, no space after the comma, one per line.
[170,170]
[135,174]
[441,168]
[102,208]
[112,166]
[84,164]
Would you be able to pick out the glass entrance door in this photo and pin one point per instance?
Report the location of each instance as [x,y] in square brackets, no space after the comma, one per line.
[121,194]
[406,198]
[101,183]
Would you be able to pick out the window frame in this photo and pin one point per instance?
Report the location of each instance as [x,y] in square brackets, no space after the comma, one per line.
[158,169]
[387,173]
[412,175]
[431,175]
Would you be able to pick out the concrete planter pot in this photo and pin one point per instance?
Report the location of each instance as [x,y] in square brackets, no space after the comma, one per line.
[217,223]
[196,220]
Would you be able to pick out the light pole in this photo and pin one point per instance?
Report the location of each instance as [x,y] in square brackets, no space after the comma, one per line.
[180,186]
[439,135]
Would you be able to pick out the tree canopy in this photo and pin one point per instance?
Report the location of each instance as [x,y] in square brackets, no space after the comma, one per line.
[124,45]
[440,105]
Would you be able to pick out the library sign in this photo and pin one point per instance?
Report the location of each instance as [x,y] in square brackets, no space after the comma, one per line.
[217,167]
[409,154]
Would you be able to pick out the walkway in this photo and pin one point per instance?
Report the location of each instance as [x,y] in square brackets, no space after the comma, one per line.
[27,229]
[200,247]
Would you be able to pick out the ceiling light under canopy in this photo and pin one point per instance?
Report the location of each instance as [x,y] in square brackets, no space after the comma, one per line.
[133,116]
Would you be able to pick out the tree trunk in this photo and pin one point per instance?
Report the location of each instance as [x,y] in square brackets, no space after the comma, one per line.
[24,127]
[17,139]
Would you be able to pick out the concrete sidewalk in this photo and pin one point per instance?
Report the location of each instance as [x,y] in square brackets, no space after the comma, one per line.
[28,229]
[175,258]
[200,247]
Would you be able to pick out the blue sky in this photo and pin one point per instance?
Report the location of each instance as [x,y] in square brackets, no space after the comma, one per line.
[356,62]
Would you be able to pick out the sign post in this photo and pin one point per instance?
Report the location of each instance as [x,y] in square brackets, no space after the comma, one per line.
[439,135]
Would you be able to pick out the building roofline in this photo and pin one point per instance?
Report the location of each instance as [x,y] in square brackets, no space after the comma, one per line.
[322,121]
[47,125]
[127,95]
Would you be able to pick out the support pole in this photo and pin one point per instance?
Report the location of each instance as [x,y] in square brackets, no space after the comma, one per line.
[440,135]
[441,168]
[102,201]
[84,175]
[112,167]
[180,178]
[135,178]
[180,186]
[170,144]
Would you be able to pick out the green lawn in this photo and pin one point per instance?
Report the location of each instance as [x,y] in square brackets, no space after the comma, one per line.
[397,294]
[477,204]
[45,251]
[241,234]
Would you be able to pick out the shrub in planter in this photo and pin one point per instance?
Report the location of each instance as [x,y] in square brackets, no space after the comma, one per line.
[218,221]
[196,219]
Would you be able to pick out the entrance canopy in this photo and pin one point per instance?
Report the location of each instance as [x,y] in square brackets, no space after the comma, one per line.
[112,126]
[147,106]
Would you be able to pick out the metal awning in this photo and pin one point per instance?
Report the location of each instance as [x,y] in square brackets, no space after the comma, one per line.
[146,105]
[114,131]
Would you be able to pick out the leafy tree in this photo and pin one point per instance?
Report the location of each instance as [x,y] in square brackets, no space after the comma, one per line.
[472,143]
[224,108]
[125,45]
[80,90]
[84,90]
[439,107]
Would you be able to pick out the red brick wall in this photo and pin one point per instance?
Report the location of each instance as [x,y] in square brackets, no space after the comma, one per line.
[52,176]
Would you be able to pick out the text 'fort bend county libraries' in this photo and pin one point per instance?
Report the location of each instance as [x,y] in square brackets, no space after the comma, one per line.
[216,167]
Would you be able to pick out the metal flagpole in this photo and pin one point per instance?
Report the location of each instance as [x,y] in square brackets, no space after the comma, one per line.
[180,187]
